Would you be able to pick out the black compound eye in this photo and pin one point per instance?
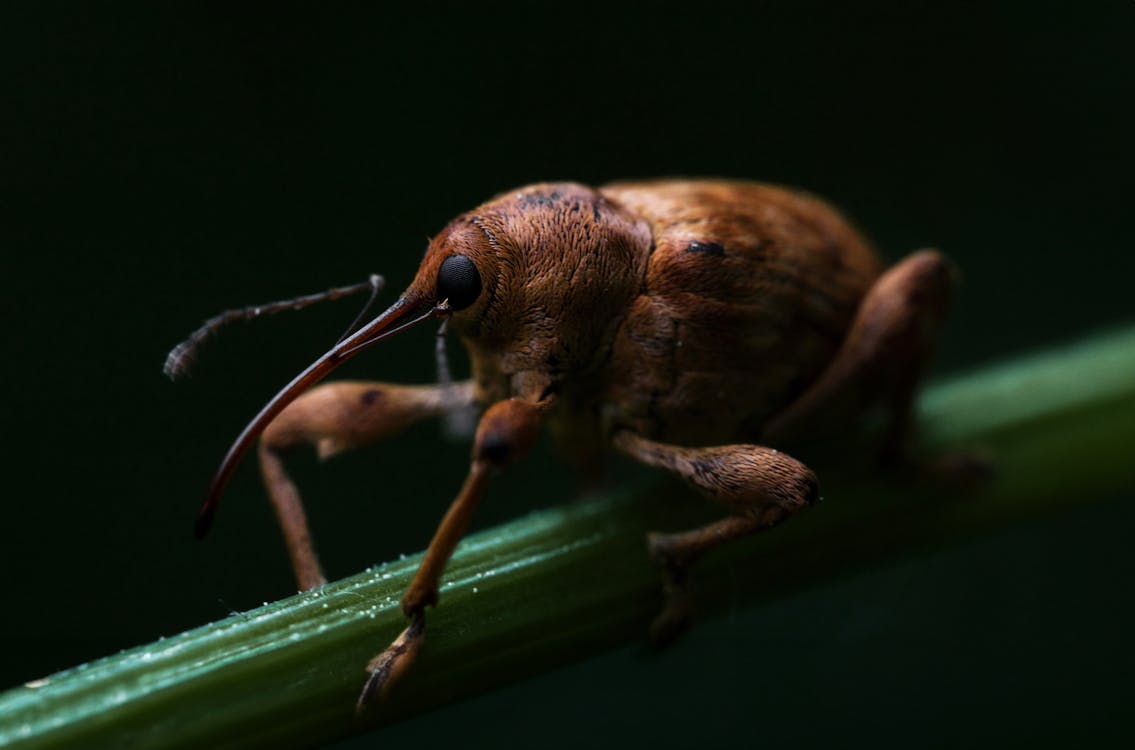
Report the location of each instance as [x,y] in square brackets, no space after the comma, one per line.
[458,281]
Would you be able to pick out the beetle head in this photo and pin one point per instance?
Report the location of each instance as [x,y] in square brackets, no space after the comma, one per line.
[533,281]
[536,279]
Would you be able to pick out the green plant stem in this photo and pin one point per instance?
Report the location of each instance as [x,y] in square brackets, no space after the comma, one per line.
[561,584]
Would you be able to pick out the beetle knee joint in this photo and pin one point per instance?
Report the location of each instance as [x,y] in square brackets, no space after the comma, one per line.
[506,432]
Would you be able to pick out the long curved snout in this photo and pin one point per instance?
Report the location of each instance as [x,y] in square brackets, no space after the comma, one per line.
[405,313]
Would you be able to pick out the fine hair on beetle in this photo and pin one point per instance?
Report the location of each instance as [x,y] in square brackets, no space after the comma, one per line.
[703,327]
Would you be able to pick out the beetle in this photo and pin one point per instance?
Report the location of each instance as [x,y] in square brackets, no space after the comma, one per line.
[696,326]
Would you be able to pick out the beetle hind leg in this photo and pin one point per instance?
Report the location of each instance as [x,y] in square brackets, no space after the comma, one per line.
[881,360]
[761,487]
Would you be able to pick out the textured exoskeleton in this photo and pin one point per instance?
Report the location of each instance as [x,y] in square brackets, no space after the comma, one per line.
[694,325]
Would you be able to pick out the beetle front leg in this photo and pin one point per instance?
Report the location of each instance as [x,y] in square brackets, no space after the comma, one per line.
[761,486]
[505,435]
[334,418]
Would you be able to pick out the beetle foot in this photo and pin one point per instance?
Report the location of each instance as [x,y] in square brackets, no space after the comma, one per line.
[389,666]
[673,621]
[676,616]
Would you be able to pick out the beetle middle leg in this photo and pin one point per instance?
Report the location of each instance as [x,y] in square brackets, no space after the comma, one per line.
[334,418]
[761,486]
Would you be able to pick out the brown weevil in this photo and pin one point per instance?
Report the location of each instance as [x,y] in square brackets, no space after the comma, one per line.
[693,325]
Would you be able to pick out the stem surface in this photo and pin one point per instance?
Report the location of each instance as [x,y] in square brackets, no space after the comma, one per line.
[568,582]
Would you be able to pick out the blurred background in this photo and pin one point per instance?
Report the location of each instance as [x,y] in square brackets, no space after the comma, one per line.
[166,163]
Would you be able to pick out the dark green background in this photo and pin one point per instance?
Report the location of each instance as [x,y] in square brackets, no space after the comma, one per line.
[166,163]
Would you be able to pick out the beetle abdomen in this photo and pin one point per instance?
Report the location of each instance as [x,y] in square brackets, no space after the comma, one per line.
[749,291]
